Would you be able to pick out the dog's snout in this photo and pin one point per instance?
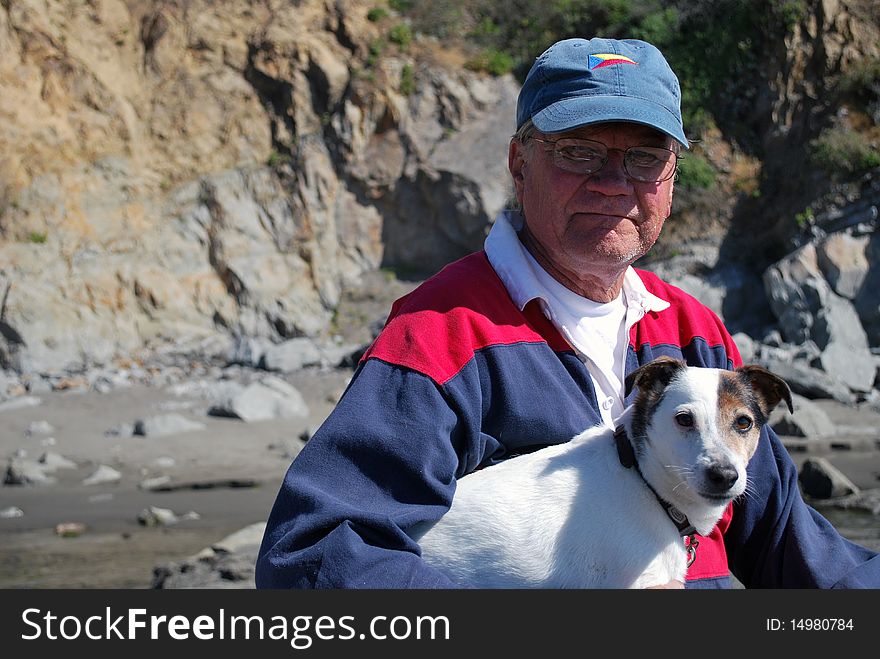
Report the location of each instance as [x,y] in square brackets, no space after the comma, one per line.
[722,476]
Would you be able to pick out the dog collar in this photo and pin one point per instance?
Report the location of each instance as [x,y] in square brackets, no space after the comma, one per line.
[627,456]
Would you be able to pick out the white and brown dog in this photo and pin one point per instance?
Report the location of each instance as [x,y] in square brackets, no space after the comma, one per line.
[605,509]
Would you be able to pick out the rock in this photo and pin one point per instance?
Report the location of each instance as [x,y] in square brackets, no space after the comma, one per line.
[103,475]
[292,355]
[70,529]
[39,428]
[154,516]
[11,513]
[165,424]
[154,483]
[807,420]
[809,382]
[228,563]
[842,260]
[746,345]
[866,500]
[53,461]
[808,309]
[20,471]
[822,480]
[269,398]
[845,354]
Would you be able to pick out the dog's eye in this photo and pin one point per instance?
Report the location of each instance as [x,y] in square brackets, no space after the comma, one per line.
[743,423]
[685,419]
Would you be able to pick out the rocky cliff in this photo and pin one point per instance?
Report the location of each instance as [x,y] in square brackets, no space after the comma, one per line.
[170,170]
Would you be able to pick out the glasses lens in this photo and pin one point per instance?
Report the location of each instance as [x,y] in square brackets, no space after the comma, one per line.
[581,156]
[649,164]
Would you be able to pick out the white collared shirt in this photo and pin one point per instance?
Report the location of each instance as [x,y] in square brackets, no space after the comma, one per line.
[598,332]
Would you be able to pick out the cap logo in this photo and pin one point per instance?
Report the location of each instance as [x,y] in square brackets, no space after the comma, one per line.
[607,59]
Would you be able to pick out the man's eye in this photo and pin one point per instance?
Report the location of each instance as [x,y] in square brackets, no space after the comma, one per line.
[579,153]
[642,159]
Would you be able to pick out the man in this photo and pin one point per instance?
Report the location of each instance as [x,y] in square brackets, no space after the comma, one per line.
[528,342]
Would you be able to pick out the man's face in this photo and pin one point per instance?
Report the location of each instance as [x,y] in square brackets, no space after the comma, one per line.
[586,224]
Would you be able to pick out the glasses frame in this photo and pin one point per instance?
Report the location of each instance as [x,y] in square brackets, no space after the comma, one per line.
[560,160]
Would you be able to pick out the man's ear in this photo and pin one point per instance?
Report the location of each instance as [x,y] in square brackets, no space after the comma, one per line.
[516,164]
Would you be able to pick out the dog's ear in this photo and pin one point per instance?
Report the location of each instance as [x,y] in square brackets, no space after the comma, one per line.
[657,372]
[771,388]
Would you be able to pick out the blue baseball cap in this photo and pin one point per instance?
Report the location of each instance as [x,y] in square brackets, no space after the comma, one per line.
[577,82]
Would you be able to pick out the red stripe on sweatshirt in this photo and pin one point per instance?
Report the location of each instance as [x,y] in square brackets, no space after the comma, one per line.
[437,328]
[689,320]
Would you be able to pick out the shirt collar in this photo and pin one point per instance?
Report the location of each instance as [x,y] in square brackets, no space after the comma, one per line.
[509,259]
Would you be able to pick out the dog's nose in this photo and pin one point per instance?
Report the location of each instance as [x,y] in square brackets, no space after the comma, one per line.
[722,476]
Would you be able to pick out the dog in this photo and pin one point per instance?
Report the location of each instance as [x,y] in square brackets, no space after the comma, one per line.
[605,509]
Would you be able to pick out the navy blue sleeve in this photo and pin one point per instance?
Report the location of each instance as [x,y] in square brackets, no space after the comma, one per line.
[776,540]
[385,459]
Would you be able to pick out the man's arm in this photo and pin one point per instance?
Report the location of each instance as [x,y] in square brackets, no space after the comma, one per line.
[776,540]
[386,458]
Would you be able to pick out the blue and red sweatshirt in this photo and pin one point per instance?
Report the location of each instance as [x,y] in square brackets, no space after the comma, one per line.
[460,379]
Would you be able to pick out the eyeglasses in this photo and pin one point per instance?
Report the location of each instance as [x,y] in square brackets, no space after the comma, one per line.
[648,164]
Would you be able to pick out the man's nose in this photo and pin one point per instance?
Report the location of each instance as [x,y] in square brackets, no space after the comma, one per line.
[611,179]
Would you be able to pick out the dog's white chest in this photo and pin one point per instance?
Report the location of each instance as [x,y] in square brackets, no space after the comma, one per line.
[567,516]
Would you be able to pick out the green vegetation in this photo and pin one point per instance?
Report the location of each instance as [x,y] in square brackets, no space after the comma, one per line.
[843,153]
[377,47]
[277,158]
[401,6]
[718,48]
[377,14]
[37,237]
[694,171]
[805,218]
[492,61]
[401,34]
[407,80]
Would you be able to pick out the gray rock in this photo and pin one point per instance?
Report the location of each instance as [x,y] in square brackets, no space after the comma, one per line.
[228,563]
[822,480]
[20,471]
[292,355]
[154,483]
[809,382]
[155,516]
[845,352]
[103,475]
[867,300]
[39,428]
[165,424]
[11,513]
[269,398]
[746,345]
[52,461]
[808,419]
[248,350]
[808,309]
[844,263]
[865,500]
[796,291]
